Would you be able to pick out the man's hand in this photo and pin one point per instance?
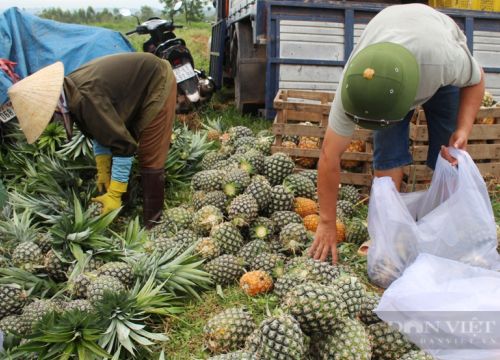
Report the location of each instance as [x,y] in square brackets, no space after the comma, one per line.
[458,140]
[325,242]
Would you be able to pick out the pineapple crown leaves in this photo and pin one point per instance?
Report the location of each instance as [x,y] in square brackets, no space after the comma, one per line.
[78,146]
[36,285]
[52,138]
[126,327]
[69,335]
[134,237]
[47,207]
[18,228]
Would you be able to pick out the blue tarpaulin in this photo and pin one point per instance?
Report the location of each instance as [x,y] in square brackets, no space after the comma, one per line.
[34,43]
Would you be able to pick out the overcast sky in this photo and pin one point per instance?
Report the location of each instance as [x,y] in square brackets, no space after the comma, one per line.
[75,4]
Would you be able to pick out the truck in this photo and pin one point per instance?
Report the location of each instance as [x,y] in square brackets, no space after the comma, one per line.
[263,46]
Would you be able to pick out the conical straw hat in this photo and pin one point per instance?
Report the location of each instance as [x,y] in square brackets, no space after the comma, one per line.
[35,97]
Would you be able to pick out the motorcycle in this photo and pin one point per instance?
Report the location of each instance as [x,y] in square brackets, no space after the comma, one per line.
[194,87]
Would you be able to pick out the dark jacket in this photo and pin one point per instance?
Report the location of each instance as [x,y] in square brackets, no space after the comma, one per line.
[113,98]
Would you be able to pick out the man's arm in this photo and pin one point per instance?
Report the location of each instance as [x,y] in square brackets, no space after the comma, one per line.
[325,241]
[470,102]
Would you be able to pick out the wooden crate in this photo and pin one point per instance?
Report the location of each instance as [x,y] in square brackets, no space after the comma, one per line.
[483,146]
[294,107]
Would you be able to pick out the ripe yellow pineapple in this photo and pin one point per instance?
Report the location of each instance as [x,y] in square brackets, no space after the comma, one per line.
[304,206]
[256,282]
[354,146]
[311,222]
[340,231]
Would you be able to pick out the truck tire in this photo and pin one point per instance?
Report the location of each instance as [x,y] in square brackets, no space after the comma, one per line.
[249,70]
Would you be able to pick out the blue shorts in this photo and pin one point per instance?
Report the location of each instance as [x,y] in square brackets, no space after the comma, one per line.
[391,146]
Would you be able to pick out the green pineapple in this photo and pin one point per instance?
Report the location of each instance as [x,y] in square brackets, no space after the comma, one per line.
[292,138]
[263,144]
[387,342]
[95,209]
[347,341]
[102,284]
[416,355]
[117,269]
[261,190]
[255,247]
[208,180]
[345,208]
[78,284]
[277,167]
[215,198]
[316,307]
[268,262]
[293,238]
[243,210]
[281,337]
[235,182]
[225,269]
[283,218]
[281,199]
[186,237]
[13,324]
[207,249]
[34,312]
[262,228]
[27,256]
[228,330]
[349,193]
[311,175]
[352,291]
[300,186]
[177,218]
[44,242]
[210,159]
[226,165]
[252,162]
[237,132]
[244,141]
[12,300]
[206,218]
[55,266]
[356,232]
[366,314]
[80,305]
[236,355]
[227,237]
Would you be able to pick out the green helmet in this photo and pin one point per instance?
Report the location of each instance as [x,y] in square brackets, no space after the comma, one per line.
[380,85]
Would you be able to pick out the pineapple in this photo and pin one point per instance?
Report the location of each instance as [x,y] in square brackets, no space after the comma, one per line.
[35,311]
[210,159]
[416,355]
[261,190]
[237,132]
[354,146]
[235,182]
[311,222]
[44,242]
[287,282]
[264,144]
[304,206]
[55,266]
[255,247]
[349,193]
[244,141]
[268,262]
[488,100]
[281,199]
[352,291]
[12,300]
[120,270]
[348,341]
[95,209]
[262,228]
[345,210]
[281,337]
[387,342]
[206,248]
[308,143]
[78,285]
[311,175]
[225,269]
[317,307]
[215,198]
[102,284]
[208,180]
[179,218]
[237,355]
[366,314]
[356,232]
[80,305]
[252,162]
[256,282]
[341,231]
[228,330]
[300,186]
[180,241]
[243,210]
[27,256]
[12,324]
[293,237]
[206,218]
[283,218]
[227,238]
[277,167]
[292,138]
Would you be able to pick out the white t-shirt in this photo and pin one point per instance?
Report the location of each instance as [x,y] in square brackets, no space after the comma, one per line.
[435,40]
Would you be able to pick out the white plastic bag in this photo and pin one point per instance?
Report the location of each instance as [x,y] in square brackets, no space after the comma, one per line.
[452,219]
[447,308]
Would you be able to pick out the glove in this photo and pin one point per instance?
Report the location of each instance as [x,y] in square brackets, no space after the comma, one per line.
[113,198]
[103,164]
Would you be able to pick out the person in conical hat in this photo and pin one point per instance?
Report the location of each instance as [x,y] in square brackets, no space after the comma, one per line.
[125,103]
[407,56]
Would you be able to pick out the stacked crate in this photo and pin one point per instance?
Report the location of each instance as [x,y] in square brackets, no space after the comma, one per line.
[293,108]
[483,146]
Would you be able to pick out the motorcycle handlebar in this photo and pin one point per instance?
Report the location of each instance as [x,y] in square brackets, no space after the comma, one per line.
[130,32]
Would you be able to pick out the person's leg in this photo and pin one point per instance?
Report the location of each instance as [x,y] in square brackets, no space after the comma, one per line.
[441,113]
[154,143]
[391,151]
